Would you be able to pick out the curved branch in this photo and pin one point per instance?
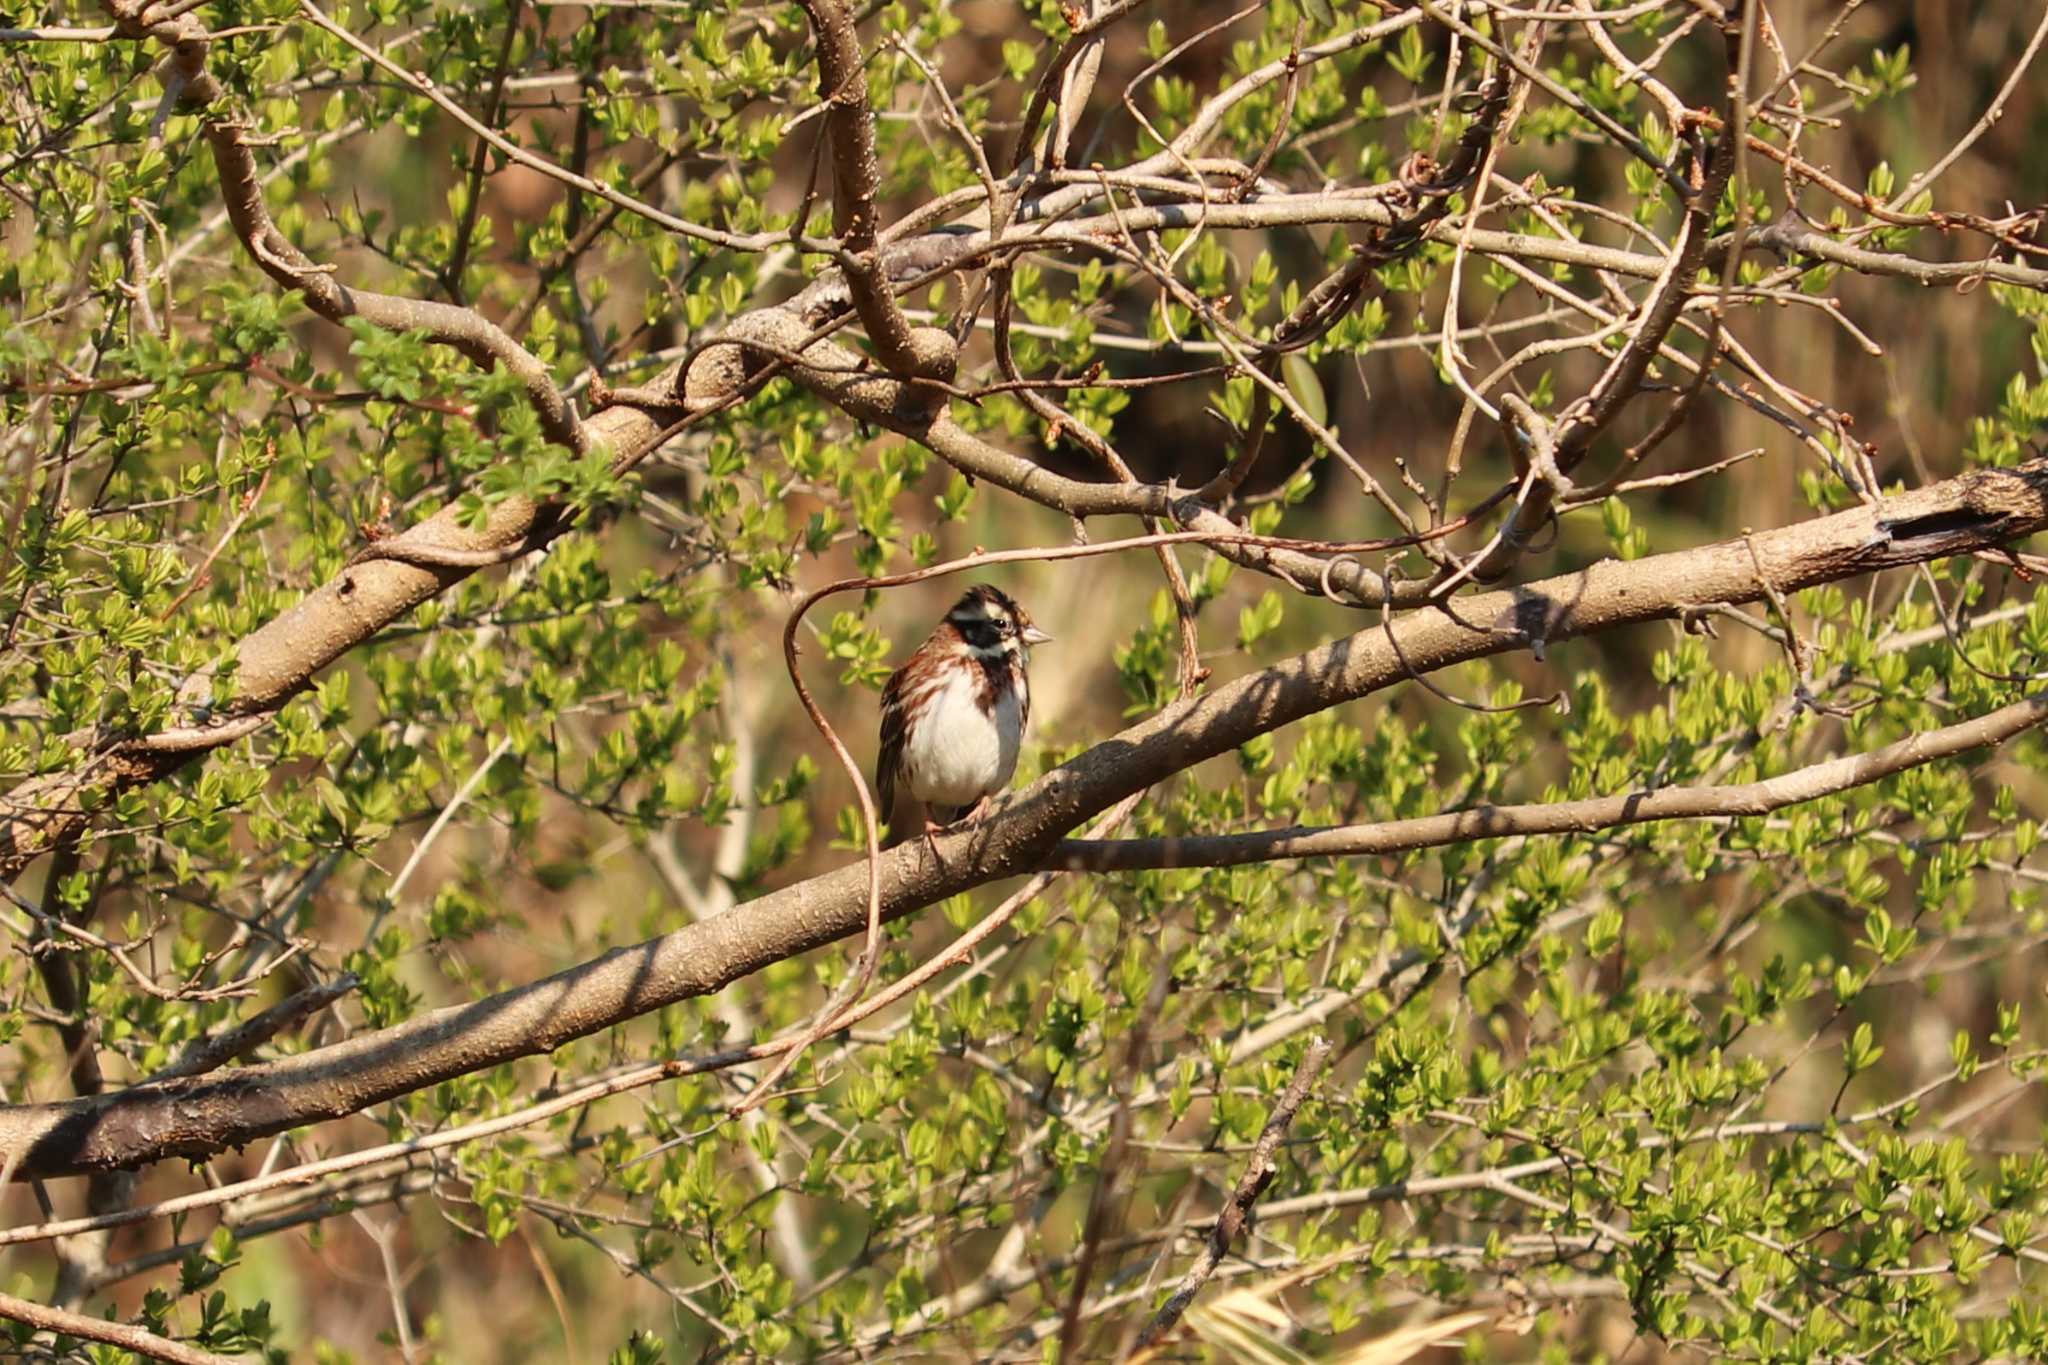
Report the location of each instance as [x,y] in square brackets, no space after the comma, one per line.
[241,185]
[201,1116]
[834,372]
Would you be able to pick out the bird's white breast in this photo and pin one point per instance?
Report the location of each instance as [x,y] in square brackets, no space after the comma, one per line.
[958,753]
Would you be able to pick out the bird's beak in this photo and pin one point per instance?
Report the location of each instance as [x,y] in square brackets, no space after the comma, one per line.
[1034,636]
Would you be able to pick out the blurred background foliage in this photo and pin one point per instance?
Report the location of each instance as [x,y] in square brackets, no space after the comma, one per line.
[1761,1089]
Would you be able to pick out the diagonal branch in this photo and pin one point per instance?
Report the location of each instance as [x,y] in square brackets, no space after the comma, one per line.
[1258,1173]
[834,372]
[392,576]
[1623,378]
[241,186]
[856,181]
[201,1116]
[282,657]
[140,1340]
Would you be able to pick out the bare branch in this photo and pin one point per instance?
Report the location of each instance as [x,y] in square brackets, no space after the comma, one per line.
[1623,378]
[1588,816]
[1789,238]
[1258,1173]
[140,1340]
[209,1054]
[857,180]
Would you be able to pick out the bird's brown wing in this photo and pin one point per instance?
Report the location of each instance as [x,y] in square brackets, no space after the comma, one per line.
[889,760]
[1023,678]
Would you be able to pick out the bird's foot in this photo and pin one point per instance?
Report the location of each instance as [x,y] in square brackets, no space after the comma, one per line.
[934,828]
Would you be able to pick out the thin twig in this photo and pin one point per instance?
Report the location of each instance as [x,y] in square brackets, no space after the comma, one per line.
[1258,1173]
[137,1339]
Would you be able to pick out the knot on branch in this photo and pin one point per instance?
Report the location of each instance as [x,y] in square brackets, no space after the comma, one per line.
[183,33]
[934,355]
[1990,505]
[778,340]
[1418,172]
[713,375]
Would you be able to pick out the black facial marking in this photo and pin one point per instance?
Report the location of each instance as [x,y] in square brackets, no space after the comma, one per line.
[985,618]
[980,632]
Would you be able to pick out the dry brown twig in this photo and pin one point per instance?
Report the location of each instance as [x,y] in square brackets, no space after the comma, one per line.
[1258,1173]
[140,1340]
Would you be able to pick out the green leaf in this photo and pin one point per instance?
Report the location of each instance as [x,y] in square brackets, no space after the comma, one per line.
[1306,387]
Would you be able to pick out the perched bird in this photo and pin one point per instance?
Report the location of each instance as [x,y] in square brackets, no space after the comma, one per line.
[953,717]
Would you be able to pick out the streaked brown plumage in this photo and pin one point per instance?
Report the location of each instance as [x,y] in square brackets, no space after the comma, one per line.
[953,717]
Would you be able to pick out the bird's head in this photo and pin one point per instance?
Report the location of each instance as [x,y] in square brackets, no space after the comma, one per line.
[991,622]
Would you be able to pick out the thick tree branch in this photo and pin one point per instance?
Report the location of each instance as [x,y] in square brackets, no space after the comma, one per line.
[857,182]
[392,576]
[282,657]
[200,1116]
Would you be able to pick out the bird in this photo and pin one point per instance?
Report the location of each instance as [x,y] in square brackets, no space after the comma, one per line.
[953,717]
